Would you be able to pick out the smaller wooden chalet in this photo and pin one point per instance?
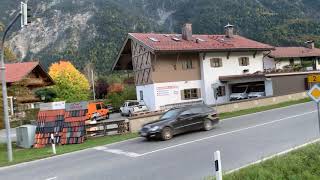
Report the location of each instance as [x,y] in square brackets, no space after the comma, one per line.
[300,58]
[29,75]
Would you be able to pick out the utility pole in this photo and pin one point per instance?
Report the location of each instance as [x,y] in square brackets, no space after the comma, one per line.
[93,89]
[23,14]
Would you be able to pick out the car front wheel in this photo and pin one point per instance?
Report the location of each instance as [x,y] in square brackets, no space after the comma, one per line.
[207,125]
[166,134]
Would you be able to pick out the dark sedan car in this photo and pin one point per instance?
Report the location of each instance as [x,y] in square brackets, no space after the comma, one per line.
[181,120]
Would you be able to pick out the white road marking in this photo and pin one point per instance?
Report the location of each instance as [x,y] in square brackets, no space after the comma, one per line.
[230,132]
[270,110]
[275,155]
[52,178]
[117,151]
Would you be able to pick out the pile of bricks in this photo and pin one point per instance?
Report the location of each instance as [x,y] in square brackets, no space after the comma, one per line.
[65,121]
[49,122]
[74,126]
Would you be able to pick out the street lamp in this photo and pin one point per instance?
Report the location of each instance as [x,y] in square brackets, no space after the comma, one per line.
[23,14]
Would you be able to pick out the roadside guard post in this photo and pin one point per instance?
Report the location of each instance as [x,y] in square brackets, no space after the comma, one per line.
[53,142]
[217,165]
[314,94]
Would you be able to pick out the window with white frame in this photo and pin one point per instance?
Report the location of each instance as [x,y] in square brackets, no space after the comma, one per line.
[188,94]
[216,62]
[244,61]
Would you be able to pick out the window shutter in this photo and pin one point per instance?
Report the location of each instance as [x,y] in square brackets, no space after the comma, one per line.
[182,95]
[184,65]
[199,93]
[248,61]
[240,59]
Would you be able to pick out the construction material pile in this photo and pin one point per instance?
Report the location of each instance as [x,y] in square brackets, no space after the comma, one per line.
[50,121]
[65,121]
[74,124]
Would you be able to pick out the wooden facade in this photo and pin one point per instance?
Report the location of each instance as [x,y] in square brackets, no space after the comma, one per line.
[141,62]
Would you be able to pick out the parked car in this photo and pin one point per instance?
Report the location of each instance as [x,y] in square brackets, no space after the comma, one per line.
[181,120]
[239,93]
[110,108]
[131,107]
[256,91]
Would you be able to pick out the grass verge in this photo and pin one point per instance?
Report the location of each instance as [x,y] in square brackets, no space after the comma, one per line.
[24,155]
[299,164]
[262,108]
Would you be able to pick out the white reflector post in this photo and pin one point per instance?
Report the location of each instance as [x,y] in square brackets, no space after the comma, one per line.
[217,165]
[53,142]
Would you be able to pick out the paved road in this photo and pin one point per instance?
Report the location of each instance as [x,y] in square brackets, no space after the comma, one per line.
[241,140]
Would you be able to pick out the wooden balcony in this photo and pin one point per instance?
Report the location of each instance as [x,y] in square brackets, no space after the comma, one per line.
[38,82]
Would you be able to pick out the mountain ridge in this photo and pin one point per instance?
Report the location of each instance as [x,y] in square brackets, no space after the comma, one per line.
[92,31]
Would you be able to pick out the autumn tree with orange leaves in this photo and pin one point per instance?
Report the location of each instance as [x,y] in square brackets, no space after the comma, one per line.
[70,84]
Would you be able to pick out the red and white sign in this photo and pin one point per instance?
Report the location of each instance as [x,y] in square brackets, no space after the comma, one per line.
[167,90]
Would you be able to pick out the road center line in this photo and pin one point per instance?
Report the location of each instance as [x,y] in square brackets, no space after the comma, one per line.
[230,132]
[52,178]
[117,151]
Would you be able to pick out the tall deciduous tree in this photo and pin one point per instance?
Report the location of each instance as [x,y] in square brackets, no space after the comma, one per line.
[70,84]
[9,55]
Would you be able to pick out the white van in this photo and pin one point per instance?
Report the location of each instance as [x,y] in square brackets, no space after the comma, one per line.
[257,91]
[239,93]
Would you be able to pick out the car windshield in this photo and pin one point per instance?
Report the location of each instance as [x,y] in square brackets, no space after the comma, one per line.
[239,89]
[170,114]
[257,89]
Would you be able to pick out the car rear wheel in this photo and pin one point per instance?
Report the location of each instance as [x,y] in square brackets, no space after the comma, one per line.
[166,134]
[207,125]
[108,116]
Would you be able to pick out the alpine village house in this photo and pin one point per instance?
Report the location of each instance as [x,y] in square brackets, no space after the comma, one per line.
[178,69]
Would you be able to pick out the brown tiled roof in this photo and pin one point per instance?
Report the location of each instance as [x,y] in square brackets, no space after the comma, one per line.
[287,52]
[165,42]
[17,71]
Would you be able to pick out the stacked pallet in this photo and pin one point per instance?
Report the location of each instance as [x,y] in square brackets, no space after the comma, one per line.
[74,125]
[49,122]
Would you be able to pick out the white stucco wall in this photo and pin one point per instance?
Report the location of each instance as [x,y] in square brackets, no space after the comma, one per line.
[148,95]
[230,66]
[269,63]
[161,94]
[170,93]
[318,65]
[280,63]
[268,87]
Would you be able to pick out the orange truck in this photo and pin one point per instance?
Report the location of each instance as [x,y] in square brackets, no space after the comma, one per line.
[97,110]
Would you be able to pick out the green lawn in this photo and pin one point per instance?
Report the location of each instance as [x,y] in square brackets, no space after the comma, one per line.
[263,108]
[301,164]
[23,155]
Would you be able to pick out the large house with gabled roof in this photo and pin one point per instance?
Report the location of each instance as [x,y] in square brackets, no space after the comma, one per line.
[178,69]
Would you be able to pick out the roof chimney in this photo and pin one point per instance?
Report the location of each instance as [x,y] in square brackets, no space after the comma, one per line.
[229,30]
[187,32]
[310,44]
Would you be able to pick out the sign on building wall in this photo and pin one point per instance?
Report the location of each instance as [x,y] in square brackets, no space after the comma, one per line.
[52,106]
[77,106]
[167,90]
[314,78]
